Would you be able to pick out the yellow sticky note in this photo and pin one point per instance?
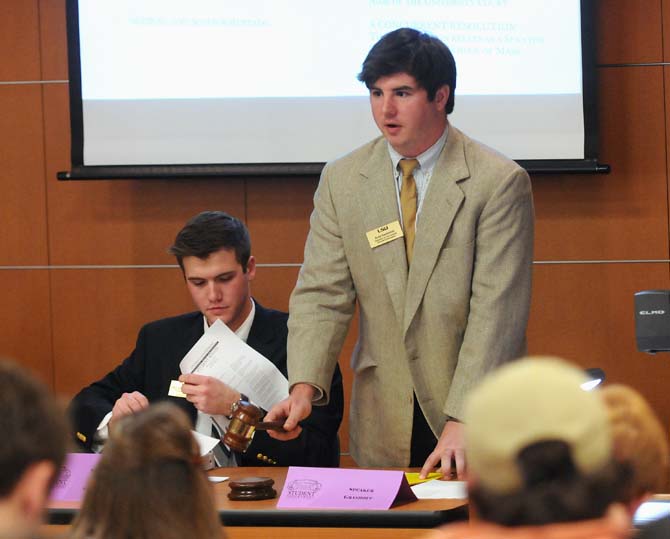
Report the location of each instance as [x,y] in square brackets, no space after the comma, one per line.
[175,389]
[413,477]
[384,234]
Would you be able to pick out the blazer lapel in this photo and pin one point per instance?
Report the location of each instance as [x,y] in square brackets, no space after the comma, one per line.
[443,199]
[262,336]
[379,207]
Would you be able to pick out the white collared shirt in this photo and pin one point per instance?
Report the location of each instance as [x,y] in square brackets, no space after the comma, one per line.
[203,423]
[422,173]
[245,327]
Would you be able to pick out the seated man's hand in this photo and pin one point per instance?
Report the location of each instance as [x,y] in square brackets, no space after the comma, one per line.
[128,403]
[209,395]
[293,409]
[450,445]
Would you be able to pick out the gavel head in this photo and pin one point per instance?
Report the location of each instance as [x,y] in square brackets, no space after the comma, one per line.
[242,426]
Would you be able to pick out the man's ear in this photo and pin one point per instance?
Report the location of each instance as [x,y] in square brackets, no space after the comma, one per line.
[442,96]
[251,268]
[32,491]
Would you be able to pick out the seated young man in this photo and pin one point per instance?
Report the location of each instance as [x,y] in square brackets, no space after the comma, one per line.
[214,252]
[32,452]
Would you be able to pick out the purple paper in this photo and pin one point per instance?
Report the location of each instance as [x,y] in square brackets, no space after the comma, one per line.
[343,488]
[74,475]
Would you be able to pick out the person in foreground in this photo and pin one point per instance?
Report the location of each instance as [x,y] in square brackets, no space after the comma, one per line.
[149,482]
[32,451]
[640,442]
[431,233]
[214,252]
[540,458]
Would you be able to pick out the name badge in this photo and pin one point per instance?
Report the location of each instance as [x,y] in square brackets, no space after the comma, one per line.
[384,234]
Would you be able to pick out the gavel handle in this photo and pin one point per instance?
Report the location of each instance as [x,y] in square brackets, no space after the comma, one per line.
[270,425]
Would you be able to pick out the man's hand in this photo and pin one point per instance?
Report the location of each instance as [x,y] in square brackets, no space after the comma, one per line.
[208,395]
[450,445]
[128,403]
[295,408]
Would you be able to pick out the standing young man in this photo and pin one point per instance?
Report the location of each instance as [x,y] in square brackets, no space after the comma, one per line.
[431,233]
[214,252]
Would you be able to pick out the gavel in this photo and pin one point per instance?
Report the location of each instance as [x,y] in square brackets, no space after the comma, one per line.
[244,422]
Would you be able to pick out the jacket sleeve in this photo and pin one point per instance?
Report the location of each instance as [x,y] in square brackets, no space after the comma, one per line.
[92,403]
[323,301]
[318,444]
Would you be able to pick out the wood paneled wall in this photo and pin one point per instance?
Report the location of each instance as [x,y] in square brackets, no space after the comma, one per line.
[72,280]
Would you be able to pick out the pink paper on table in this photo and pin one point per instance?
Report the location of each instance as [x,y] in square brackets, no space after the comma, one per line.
[342,488]
[74,474]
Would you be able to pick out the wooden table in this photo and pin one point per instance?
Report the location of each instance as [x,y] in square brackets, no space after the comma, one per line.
[263,519]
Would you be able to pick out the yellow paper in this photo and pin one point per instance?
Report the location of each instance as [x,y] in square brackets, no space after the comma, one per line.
[384,234]
[413,477]
[175,389]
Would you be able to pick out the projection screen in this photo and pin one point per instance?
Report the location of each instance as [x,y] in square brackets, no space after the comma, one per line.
[220,87]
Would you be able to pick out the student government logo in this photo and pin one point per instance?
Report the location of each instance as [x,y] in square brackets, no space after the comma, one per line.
[303,488]
[65,475]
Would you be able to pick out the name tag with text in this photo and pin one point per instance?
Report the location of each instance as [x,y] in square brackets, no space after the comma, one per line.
[384,234]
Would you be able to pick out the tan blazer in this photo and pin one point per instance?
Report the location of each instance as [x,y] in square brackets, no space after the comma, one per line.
[436,330]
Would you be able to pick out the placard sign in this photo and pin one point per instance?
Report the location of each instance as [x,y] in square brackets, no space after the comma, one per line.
[340,488]
[71,482]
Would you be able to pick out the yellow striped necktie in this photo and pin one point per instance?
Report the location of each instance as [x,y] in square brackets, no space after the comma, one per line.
[408,204]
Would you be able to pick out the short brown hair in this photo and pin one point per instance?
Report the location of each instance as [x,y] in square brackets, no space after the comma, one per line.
[211,231]
[639,440]
[149,482]
[421,55]
[32,424]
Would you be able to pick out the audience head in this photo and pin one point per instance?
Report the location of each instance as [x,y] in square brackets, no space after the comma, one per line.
[34,431]
[539,447]
[640,442]
[211,231]
[418,54]
[149,482]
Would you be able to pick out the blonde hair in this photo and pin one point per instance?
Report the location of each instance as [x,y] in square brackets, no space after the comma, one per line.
[639,440]
[149,483]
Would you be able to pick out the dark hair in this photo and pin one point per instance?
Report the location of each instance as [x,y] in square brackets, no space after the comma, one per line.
[553,490]
[32,424]
[149,482]
[420,55]
[211,231]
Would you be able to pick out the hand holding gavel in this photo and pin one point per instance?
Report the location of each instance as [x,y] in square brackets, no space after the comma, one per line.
[245,420]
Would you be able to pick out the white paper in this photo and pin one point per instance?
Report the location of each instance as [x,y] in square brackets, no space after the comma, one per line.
[222,354]
[217,478]
[437,489]
[205,443]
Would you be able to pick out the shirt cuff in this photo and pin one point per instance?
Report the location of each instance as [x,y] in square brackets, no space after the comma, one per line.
[101,434]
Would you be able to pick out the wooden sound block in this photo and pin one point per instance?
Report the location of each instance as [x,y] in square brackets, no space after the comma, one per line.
[252,488]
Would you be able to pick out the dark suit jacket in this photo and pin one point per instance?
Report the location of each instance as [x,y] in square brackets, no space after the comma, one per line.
[160,347]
